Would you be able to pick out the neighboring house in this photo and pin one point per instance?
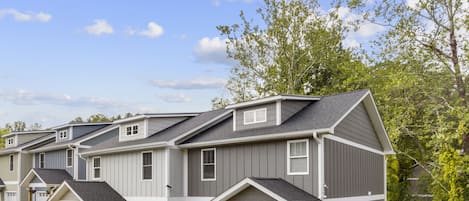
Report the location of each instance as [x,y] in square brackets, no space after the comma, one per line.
[16,161]
[85,191]
[420,183]
[330,147]
[144,164]
[61,157]
[277,148]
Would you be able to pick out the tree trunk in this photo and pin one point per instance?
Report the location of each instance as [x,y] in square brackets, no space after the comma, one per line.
[457,69]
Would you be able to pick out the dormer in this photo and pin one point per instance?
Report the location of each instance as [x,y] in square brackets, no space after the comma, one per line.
[266,112]
[145,125]
[17,138]
[72,131]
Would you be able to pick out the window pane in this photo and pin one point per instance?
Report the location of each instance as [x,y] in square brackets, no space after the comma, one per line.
[135,129]
[97,162]
[147,172]
[97,173]
[298,165]
[249,116]
[260,115]
[298,149]
[209,156]
[147,159]
[209,172]
[129,130]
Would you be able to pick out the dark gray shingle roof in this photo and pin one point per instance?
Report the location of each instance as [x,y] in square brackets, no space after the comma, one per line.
[28,145]
[53,144]
[53,176]
[164,135]
[284,189]
[94,191]
[317,115]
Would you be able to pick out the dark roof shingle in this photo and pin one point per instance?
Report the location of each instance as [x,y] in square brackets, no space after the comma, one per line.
[53,176]
[284,189]
[94,191]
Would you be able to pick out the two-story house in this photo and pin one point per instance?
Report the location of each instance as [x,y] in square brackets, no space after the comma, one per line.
[283,147]
[59,160]
[15,161]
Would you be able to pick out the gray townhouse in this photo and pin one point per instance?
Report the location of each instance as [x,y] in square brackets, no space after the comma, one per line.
[283,147]
[59,160]
[15,161]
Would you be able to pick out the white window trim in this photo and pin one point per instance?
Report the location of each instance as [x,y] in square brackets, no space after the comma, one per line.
[43,161]
[142,166]
[12,141]
[131,130]
[214,164]
[66,158]
[66,135]
[290,157]
[255,116]
[11,163]
[94,168]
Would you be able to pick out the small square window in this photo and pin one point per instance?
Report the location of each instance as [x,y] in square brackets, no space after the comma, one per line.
[135,129]
[129,130]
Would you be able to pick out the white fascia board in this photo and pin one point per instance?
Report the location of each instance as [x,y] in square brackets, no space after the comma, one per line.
[125,149]
[173,141]
[271,99]
[274,136]
[29,177]
[146,116]
[358,198]
[79,124]
[245,183]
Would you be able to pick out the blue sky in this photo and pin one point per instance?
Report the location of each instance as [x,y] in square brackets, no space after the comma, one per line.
[63,59]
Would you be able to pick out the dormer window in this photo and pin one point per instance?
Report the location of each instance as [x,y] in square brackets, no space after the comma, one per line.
[63,135]
[255,116]
[10,141]
[132,130]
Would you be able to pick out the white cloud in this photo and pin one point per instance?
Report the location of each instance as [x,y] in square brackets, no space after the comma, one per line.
[199,83]
[369,29]
[154,30]
[351,43]
[25,16]
[412,3]
[99,27]
[211,51]
[219,2]
[175,98]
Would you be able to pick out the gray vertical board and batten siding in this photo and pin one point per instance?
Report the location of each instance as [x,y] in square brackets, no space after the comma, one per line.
[291,107]
[357,127]
[251,194]
[81,167]
[260,159]
[54,160]
[176,176]
[350,171]
[271,116]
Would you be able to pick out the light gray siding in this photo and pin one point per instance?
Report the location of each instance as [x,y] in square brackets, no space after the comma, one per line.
[123,132]
[158,124]
[106,136]
[236,162]
[271,116]
[357,127]
[82,130]
[123,172]
[351,171]
[251,194]
[81,168]
[176,178]
[290,108]
[55,160]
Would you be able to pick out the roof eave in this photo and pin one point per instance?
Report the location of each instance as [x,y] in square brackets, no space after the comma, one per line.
[272,99]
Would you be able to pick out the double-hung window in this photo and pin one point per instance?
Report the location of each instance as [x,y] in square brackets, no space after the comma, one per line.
[11,141]
[208,157]
[147,164]
[11,162]
[298,157]
[63,135]
[96,167]
[131,130]
[42,158]
[255,116]
[69,157]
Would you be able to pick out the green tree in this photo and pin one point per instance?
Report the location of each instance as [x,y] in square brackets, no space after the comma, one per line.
[295,49]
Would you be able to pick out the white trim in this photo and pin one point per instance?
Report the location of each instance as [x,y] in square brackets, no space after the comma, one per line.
[173,141]
[93,168]
[289,157]
[75,163]
[60,188]
[413,179]
[385,178]
[39,159]
[274,136]
[254,113]
[66,158]
[29,177]
[321,176]
[185,173]
[358,198]
[142,166]
[124,149]
[10,182]
[245,183]
[278,108]
[27,133]
[353,144]
[131,126]
[168,173]
[234,120]
[146,116]
[145,129]
[271,99]
[40,185]
[214,164]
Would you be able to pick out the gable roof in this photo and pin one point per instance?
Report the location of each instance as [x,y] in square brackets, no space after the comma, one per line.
[80,124]
[88,191]
[273,99]
[161,138]
[1,183]
[50,177]
[27,133]
[30,144]
[276,188]
[320,116]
